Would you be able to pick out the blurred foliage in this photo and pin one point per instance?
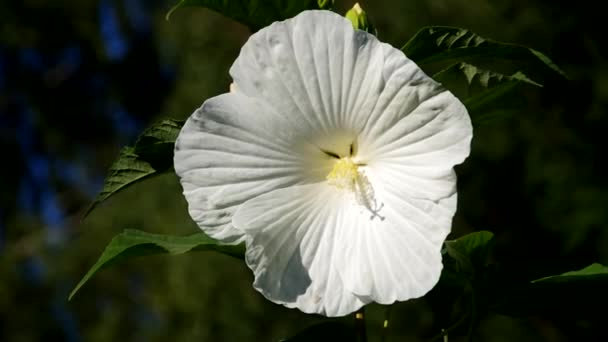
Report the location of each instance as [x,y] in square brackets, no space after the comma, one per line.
[254,14]
[79,80]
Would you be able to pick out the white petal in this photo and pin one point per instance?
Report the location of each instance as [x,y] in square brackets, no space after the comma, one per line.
[416,133]
[293,248]
[233,149]
[314,66]
[394,254]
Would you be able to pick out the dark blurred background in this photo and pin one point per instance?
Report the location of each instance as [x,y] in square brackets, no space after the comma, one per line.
[80,79]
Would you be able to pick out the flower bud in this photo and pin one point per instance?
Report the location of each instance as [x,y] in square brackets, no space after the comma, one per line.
[358,18]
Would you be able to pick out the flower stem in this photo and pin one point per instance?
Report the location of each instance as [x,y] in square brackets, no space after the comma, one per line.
[360,329]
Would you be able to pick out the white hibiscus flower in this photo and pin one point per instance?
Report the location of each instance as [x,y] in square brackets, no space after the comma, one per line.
[332,158]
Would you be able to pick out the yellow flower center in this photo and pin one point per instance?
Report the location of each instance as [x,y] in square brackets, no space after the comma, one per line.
[344,175]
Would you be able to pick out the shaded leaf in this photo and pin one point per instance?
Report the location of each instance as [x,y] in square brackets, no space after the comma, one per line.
[151,155]
[325,4]
[133,243]
[155,144]
[255,14]
[483,91]
[458,300]
[448,45]
[467,81]
[470,251]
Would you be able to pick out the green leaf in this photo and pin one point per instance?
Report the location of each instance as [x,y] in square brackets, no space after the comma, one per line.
[590,273]
[155,145]
[467,81]
[254,13]
[326,331]
[134,243]
[575,294]
[470,251]
[151,155]
[488,105]
[448,45]
[482,90]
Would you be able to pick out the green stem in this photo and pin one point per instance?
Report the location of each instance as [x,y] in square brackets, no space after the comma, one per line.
[360,329]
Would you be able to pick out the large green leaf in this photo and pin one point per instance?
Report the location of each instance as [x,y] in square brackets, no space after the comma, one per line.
[440,45]
[482,90]
[151,155]
[134,243]
[255,13]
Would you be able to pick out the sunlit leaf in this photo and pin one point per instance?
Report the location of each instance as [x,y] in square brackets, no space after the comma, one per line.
[135,243]
[254,13]
[590,273]
[151,155]
[440,45]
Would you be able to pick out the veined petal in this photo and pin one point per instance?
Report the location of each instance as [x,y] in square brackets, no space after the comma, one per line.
[293,247]
[314,66]
[319,70]
[394,254]
[416,132]
[232,149]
